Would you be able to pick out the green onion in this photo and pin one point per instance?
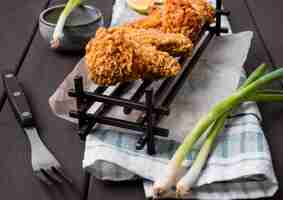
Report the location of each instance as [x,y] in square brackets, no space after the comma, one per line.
[184,186]
[260,70]
[220,108]
[253,83]
[58,32]
[267,96]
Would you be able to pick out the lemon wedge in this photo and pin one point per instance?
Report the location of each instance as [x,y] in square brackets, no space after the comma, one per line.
[159,2]
[140,6]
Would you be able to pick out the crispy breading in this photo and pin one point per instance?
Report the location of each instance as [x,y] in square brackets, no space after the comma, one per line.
[174,44]
[186,16]
[178,16]
[145,46]
[152,21]
[154,63]
[120,54]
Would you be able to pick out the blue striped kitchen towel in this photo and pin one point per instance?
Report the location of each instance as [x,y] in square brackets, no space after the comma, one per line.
[240,165]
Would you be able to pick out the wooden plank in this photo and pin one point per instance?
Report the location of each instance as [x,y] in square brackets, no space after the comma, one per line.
[40,77]
[268,16]
[18,20]
[17,179]
[242,19]
[41,73]
[132,190]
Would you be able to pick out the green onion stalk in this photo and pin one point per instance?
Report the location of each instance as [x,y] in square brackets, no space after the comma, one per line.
[185,184]
[267,96]
[58,32]
[248,90]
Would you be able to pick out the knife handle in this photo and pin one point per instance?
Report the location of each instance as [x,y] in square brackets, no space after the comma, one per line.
[18,100]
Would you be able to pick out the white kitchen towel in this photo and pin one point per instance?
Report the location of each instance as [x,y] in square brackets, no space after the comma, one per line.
[240,165]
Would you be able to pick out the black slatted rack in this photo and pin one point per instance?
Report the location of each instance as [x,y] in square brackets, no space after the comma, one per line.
[156,102]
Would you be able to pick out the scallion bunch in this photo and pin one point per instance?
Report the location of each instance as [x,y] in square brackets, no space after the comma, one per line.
[213,124]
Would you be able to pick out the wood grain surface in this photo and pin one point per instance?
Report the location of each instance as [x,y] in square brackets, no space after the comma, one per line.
[268,17]
[41,72]
[245,17]
[18,21]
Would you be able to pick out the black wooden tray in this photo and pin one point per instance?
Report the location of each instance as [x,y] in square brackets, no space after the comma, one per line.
[156,103]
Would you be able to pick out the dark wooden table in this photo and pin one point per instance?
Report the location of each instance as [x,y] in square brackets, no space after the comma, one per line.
[41,70]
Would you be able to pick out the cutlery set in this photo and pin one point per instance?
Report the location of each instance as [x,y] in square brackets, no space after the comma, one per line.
[45,166]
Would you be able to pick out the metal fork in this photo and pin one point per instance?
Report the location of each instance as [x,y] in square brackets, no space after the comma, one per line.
[44,164]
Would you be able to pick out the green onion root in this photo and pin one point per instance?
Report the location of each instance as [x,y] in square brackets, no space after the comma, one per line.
[58,32]
[185,184]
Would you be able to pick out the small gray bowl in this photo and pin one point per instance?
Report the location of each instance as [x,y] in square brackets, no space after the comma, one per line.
[80,26]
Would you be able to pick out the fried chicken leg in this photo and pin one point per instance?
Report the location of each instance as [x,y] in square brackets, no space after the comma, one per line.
[145,46]
[174,44]
[186,16]
[123,54]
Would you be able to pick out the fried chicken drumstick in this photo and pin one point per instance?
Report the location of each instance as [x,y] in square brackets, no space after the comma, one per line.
[123,54]
[174,44]
[144,47]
